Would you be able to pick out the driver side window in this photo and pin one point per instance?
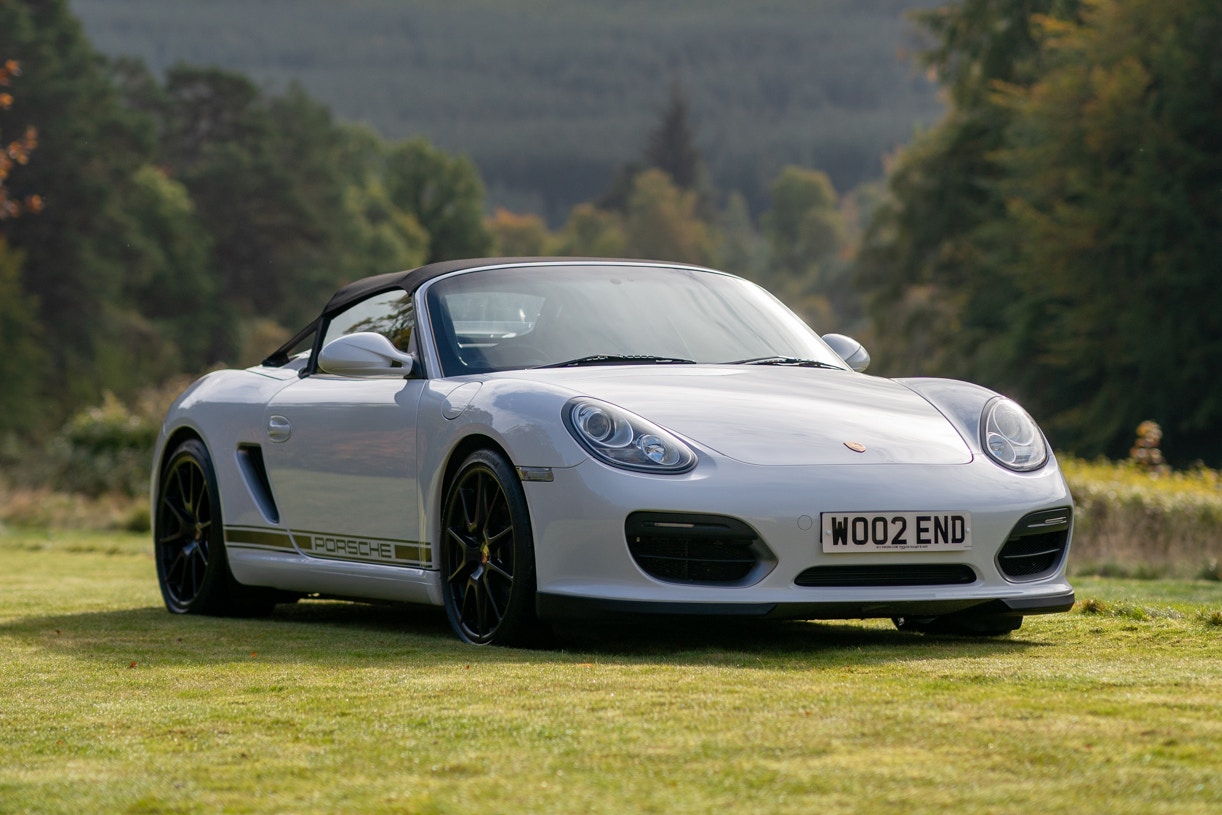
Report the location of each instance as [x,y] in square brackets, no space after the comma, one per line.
[390,314]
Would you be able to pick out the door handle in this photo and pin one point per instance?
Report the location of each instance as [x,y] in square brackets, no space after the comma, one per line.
[279,428]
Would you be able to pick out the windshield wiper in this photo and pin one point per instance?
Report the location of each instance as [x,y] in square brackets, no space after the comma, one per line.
[796,362]
[619,359]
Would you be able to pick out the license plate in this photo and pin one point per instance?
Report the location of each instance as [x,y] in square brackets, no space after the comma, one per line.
[895,531]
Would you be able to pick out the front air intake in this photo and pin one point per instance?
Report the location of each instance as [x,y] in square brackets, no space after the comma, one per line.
[899,574]
[1037,545]
[679,547]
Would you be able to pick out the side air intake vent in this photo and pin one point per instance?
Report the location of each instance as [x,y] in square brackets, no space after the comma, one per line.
[254,473]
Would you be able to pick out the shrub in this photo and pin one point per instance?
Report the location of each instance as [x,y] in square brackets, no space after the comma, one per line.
[1134,522]
[103,449]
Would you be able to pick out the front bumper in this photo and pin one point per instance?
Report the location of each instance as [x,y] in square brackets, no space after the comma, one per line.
[584,567]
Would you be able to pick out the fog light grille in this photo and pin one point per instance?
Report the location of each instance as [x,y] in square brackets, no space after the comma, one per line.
[702,549]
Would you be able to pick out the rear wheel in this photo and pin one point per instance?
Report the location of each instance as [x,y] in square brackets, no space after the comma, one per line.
[987,625]
[189,541]
[487,554]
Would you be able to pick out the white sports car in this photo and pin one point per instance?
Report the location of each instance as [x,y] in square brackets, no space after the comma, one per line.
[528,440]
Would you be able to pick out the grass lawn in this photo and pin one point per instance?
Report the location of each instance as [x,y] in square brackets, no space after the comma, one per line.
[110,704]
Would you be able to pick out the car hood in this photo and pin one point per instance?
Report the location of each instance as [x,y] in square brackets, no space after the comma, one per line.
[777,415]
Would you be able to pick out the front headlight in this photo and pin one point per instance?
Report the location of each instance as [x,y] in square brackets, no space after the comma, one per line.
[622,439]
[1011,437]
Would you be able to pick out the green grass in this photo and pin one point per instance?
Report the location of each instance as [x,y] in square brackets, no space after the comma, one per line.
[110,704]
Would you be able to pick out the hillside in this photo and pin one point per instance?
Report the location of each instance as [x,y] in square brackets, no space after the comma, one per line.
[548,96]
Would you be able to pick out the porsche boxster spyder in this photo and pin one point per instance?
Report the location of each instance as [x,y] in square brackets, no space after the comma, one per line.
[522,441]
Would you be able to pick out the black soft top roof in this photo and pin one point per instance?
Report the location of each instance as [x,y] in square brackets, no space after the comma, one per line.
[413,279]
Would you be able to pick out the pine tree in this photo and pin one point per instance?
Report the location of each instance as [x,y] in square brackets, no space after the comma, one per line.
[671,146]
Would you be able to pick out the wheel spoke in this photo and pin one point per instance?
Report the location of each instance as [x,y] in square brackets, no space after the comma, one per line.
[495,538]
[183,490]
[176,571]
[199,494]
[490,615]
[179,513]
[494,567]
[489,492]
[468,551]
[465,510]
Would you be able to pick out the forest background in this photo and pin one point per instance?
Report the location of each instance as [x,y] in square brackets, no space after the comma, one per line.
[1026,193]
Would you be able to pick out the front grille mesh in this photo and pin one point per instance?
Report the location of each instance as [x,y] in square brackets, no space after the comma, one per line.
[687,548]
[1036,546]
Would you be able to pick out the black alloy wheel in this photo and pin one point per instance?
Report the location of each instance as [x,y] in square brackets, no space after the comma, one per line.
[487,554]
[189,540]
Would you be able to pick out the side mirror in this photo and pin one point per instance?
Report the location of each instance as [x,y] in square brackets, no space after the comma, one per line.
[364,354]
[850,350]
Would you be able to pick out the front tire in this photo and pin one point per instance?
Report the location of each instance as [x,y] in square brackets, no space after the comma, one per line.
[189,541]
[487,554]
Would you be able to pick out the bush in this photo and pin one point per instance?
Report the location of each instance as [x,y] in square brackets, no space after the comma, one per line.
[103,449]
[1134,522]
[107,449]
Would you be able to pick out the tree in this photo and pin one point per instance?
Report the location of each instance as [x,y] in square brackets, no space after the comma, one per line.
[1114,194]
[23,356]
[804,227]
[444,194]
[739,249]
[928,266]
[806,239]
[169,282]
[518,235]
[16,152]
[1056,237]
[89,149]
[23,359]
[671,148]
[592,232]
[262,174]
[387,239]
[662,222]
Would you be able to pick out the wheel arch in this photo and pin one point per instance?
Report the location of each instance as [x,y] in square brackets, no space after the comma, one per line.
[172,442]
[433,501]
[458,454]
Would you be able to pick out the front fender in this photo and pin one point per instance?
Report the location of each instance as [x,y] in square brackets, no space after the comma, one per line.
[225,410]
[523,422]
[960,402]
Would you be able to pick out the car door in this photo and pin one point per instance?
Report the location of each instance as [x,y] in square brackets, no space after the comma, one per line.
[341,453]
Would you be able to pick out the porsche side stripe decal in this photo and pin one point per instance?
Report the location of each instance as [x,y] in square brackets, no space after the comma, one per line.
[331,547]
[364,550]
[244,537]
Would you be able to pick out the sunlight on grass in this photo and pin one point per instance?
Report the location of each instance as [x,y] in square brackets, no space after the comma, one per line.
[112,704]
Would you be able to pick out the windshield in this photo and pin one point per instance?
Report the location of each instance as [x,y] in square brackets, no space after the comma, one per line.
[534,316]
